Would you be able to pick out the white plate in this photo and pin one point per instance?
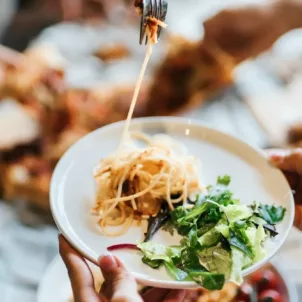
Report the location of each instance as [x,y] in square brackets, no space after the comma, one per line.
[73,189]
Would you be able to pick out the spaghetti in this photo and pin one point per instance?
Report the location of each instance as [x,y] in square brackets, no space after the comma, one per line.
[151,31]
[133,182]
[136,185]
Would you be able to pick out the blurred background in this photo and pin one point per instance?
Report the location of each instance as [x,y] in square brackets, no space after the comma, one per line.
[66,71]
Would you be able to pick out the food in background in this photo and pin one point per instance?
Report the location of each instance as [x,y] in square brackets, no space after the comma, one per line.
[27,179]
[189,73]
[113,53]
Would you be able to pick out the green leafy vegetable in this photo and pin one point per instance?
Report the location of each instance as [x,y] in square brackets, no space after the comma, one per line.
[221,237]
[178,214]
[237,212]
[271,230]
[155,223]
[192,236]
[213,215]
[225,180]
[218,193]
[208,280]
[223,229]
[169,227]
[256,237]
[176,273]
[195,212]
[155,251]
[271,214]
[183,225]
[257,220]
[203,228]
[210,238]
[239,240]
[190,260]
[237,265]
[152,263]
[216,260]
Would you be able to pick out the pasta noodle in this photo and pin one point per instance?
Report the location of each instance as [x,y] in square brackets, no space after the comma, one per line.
[142,179]
[133,182]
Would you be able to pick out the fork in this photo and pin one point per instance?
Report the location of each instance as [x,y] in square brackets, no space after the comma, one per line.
[151,8]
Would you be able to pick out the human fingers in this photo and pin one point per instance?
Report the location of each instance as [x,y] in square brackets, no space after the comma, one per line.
[175,296]
[79,273]
[155,294]
[119,285]
[287,160]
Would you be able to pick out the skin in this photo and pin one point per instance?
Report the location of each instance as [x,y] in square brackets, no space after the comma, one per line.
[119,285]
[290,163]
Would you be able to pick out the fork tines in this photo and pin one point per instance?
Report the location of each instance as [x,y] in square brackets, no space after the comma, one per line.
[152,8]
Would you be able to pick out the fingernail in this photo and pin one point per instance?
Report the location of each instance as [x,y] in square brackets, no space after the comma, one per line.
[105,254]
[107,260]
[276,159]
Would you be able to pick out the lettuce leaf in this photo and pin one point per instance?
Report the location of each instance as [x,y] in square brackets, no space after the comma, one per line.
[195,212]
[221,237]
[152,263]
[176,272]
[210,238]
[208,280]
[190,261]
[218,193]
[239,239]
[192,237]
[224,230]
[237,212]
[224,180]
[155,251]
[216,260]
[237,265]
[256,237]
[271,214]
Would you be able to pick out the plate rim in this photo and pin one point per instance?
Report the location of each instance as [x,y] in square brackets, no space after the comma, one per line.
[172,284]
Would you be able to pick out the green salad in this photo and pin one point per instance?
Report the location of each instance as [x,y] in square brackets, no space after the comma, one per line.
[221,237]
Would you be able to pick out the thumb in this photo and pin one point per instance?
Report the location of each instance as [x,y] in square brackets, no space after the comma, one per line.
[298,217]
[287,160]
[119,285]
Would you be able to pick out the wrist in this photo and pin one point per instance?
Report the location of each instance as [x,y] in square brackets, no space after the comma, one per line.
[289,13]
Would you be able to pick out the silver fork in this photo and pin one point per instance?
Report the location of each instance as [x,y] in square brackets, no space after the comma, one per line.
[151,8]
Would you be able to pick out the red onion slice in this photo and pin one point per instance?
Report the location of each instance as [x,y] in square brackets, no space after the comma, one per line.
[122,247]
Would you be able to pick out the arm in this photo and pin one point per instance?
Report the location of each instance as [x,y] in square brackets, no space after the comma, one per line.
[247,31]
[290,163]
[292,12]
